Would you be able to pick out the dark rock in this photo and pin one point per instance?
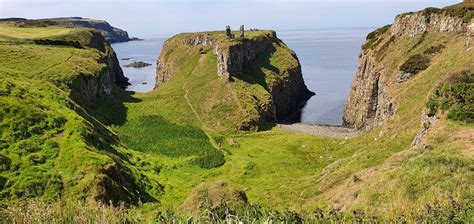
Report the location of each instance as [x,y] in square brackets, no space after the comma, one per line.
[86,89]
[137,64]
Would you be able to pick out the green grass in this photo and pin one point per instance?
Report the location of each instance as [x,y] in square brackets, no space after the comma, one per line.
[8,31]
[455,95]
[52,63]
[50,146]
[49,150]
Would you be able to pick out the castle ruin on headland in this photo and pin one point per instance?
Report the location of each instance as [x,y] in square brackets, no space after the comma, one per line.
[230,36]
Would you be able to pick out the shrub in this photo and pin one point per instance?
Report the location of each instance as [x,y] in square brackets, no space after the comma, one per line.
[415,64]
[374,39]
[378,32]
[455,95]
[431,10]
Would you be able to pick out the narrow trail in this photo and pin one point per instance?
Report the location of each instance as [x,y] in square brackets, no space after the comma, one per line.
[211,140]
[322,130]
[54,65]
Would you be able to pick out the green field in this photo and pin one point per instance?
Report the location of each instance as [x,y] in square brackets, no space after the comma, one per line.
[9,31]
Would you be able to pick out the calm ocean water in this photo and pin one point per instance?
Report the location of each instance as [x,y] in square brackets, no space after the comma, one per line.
[328,58]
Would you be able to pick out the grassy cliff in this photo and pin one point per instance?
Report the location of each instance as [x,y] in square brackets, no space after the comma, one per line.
[51,146]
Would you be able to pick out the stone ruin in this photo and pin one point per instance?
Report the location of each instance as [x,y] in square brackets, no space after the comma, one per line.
[228,33]
[230,36]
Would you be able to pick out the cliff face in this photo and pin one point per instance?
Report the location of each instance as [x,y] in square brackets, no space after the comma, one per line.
[371,101]
[86,88]
[245,61]
[415,24]
[111,34]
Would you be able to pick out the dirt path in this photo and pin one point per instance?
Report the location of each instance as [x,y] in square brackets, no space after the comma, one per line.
[211,140]
[321,130]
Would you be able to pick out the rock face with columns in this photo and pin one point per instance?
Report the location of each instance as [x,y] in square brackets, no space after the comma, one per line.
[371,100]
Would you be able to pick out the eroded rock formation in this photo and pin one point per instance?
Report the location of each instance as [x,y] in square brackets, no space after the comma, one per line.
[85,89]
[370,102]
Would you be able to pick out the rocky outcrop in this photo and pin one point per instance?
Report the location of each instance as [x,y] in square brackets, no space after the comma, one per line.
[370,102]
[137,64]
[415,24]
[235,57]
[426,123]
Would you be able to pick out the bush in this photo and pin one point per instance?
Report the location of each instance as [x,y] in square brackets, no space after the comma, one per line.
[455,95]
[415,64]
[378,32]
[374,39]
[431,10]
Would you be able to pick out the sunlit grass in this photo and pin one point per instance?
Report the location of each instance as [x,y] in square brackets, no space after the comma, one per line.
[9,31]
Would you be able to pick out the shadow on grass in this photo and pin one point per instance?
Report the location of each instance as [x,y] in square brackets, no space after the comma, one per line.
[112,111]
[254,72]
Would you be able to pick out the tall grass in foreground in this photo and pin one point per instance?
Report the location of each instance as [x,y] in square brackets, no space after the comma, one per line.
[32,211]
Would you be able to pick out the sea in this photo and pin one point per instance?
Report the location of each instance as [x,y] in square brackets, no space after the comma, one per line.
[328,59]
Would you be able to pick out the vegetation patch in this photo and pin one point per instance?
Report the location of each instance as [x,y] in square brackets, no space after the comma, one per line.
[464,10]
[374,38]
[415,64]
[31,211]
[456,96]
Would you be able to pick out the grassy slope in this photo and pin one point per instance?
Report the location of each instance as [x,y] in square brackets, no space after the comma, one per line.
[50,146]
[9,31]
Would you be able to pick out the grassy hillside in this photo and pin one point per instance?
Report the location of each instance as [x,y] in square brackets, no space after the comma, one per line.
[170,146]
[50,146]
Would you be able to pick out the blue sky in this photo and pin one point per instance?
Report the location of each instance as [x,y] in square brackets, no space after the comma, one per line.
[158,17]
